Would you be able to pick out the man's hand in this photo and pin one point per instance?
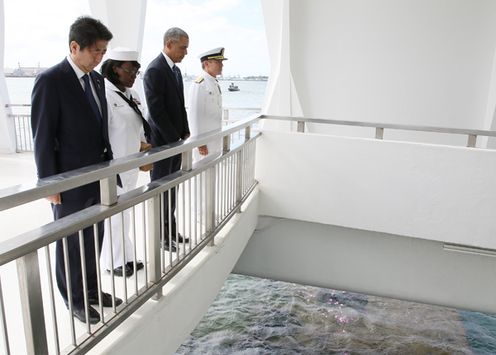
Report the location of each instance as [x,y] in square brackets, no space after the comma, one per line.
[203,150]
[55,199]
[145,147]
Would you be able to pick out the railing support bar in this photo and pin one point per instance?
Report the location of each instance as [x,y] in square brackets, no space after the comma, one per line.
[247,133]
[239,177]
[108,190]
[472,139]
[379,133]
[187,160]
[226,143]
[153,225]
[32,303]
[300,127]
[210,203]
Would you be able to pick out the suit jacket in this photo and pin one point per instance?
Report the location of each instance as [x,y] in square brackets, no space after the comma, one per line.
[165,101]
[67,134]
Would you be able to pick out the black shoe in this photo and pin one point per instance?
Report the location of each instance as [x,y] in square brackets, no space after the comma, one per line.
[80,313]
[181,239]
[106,300]
[166,246]
[129,270]
[139,265]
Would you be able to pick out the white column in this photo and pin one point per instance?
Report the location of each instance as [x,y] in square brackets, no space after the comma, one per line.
[124,18]
[7,133]
[282,96]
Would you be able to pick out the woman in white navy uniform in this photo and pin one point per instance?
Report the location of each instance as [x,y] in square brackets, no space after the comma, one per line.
[205,106]
[128,132]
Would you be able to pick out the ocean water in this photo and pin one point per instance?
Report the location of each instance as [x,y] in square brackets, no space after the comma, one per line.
[260,316]
[251,94]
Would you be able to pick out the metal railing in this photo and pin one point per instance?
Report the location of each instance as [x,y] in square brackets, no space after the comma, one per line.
[301,122]
[207,195]
[24,138]
[226,113]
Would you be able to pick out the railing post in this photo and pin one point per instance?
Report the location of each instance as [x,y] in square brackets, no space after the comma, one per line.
[108,190]
[153,225]
[247,133]
[187,160]
[300,127]
[239,177]
[226,115]
[472,139]
[28,272]
[210,203]
[379,133]
[3,325]
[226,143]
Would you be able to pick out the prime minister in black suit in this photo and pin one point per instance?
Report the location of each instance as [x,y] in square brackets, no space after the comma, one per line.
[164,93]
[69,122]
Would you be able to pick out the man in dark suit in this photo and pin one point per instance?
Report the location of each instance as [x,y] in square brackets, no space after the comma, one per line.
[164,93]
[69,122]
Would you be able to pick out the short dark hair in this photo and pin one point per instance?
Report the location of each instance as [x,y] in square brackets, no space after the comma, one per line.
[108,72]
[87,30]
[174,34]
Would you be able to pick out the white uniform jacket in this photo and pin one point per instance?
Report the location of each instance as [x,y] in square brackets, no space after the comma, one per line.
[205,112]
[126,133]
[125,129]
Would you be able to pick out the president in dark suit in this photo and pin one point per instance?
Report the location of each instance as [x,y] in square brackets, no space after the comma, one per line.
[69,122]
[163,84]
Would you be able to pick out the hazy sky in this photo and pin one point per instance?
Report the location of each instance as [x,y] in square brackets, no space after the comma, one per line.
[36,31]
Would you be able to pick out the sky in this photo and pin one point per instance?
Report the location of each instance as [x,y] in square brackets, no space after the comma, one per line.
[36,31]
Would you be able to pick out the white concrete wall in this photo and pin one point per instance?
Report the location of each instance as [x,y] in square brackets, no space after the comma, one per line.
[427,62]
[425,191]
[369,262]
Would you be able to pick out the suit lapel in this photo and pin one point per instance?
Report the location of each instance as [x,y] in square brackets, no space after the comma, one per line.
[74,85]
[172,77]
[72,82]
[100,91]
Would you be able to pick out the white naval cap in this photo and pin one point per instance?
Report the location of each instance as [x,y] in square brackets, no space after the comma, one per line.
[123,54]
[216,53]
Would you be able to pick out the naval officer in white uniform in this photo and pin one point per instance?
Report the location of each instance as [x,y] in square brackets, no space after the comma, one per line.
[205,105]
[128,132]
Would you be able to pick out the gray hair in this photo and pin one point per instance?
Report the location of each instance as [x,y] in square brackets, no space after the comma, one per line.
[174,34]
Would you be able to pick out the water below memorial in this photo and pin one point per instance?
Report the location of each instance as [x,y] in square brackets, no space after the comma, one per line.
[260,316]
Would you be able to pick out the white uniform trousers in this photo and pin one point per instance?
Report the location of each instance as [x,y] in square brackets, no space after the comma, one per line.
[120,228]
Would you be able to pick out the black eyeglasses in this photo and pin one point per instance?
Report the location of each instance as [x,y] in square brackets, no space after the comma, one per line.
[132,71]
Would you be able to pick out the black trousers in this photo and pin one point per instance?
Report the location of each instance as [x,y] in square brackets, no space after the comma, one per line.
[160,169]
[74,201]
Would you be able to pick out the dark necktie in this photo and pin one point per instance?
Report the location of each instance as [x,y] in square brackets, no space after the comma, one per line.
[90,97]
[178,75]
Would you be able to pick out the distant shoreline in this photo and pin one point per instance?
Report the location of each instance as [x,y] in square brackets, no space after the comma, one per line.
[19,76]
[246,78]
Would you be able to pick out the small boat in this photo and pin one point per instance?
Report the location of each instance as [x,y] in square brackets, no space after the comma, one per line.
[233,87]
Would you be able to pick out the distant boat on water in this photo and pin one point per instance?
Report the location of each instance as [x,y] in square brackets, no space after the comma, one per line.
[233,87]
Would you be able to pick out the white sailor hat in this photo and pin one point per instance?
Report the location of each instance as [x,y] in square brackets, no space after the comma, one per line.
[216,53]
[123,54]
